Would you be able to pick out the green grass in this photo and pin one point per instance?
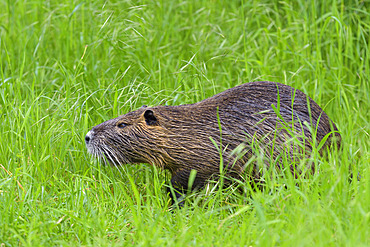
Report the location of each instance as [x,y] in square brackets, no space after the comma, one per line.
[69,65]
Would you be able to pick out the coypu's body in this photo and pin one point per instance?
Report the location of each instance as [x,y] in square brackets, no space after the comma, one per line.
[179,138]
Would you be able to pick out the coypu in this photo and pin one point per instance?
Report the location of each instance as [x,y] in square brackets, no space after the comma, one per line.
[184,138]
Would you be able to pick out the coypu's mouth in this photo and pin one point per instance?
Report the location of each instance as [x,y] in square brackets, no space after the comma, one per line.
[108,156]
[104,155]
[115,160]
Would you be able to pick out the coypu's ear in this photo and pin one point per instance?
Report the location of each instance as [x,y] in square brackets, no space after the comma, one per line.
[150,119]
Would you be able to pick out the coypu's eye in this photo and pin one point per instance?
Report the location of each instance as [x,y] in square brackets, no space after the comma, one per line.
[121,125]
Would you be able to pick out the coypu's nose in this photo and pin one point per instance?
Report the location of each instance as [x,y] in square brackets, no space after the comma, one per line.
[88,137]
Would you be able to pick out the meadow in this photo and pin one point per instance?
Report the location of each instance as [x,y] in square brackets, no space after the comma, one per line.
[66,66]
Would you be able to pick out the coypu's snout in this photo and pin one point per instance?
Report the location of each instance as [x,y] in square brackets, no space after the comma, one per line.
[88,137]
[94,134]
[94,145]
[107,141]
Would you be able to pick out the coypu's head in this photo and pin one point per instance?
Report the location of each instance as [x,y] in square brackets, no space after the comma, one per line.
[127,139]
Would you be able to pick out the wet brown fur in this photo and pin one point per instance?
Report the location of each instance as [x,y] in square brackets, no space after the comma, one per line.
[179,138]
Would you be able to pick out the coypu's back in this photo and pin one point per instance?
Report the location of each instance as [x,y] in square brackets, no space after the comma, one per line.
[182,138]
